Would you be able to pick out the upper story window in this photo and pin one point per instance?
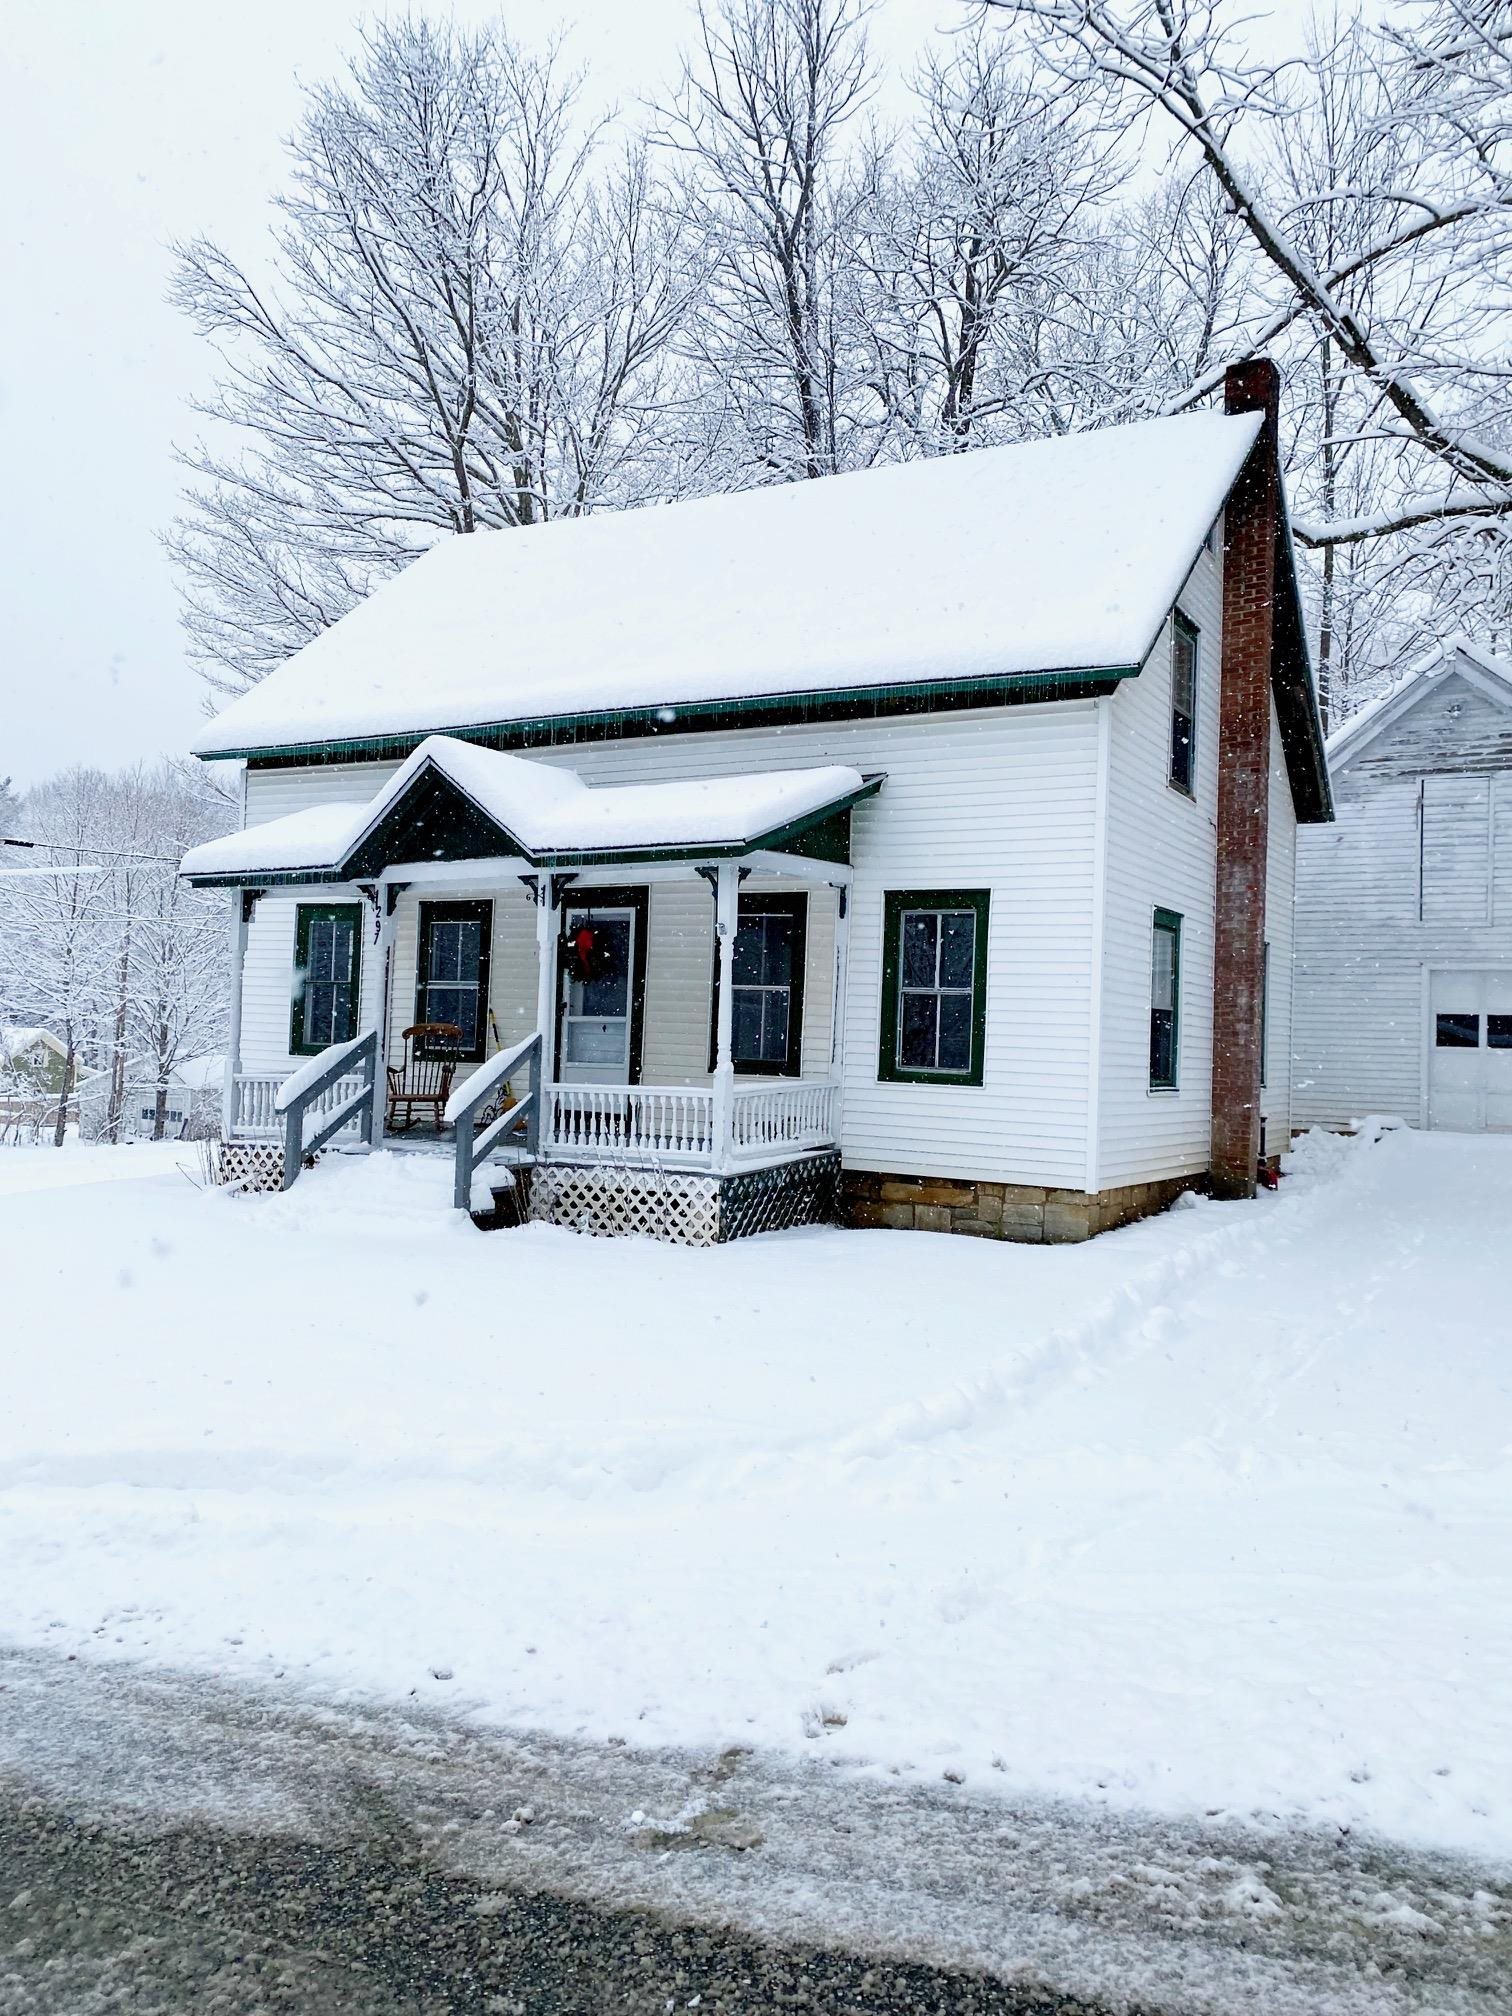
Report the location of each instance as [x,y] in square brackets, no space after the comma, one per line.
[1183,703]
[934,985]
[327,976]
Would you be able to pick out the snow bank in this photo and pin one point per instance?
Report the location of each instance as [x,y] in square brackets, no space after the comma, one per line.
[1212,1515]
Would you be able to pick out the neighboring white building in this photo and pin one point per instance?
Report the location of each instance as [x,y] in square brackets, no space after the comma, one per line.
[193,1107]
[1404,908]
[886,828]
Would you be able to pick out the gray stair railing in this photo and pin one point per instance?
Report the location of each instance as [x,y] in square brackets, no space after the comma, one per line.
[473,1094]
[314,1082]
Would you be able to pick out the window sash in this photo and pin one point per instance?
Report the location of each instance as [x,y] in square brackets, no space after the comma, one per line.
[934,985]
[767,965]
[1184,644]
[327,978]
[1165,1001]
[451,979]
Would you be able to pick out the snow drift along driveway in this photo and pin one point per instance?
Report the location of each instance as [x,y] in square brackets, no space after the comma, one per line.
[1214,1514]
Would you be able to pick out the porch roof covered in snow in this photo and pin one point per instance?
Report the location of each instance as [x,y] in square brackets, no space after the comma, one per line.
[451,801]
[1039,570]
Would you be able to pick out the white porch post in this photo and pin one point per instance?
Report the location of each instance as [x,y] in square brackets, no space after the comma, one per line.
[726,914]
[842,967]
[546,995]
[383,952]
[238,949]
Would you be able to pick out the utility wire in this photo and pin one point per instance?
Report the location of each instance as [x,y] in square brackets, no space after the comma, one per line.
[110,853]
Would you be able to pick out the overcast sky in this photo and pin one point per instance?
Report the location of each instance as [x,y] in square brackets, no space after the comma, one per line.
[127,124]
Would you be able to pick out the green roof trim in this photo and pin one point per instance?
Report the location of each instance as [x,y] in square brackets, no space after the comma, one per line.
[927,696]
[823,835]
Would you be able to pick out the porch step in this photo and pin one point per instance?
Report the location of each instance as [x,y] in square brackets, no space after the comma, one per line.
[508,1207]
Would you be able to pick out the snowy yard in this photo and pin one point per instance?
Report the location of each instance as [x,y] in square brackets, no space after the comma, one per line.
[1211,1515]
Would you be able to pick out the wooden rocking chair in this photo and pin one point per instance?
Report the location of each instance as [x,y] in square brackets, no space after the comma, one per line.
[425,1077]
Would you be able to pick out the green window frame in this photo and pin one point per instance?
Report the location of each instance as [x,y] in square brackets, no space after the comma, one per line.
[934,986]
[325,1002]
[1165,1002]
[1185,668]
[447,985]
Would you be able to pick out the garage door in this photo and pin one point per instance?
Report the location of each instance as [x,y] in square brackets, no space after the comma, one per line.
[1470,1051]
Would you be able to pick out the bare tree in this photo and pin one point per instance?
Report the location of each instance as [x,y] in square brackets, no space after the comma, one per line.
[463,329]
[1432,225]
[987,225]
[771,195]
[58,915]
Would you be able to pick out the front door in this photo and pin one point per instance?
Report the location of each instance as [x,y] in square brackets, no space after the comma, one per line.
[599,956]
[1470,1051]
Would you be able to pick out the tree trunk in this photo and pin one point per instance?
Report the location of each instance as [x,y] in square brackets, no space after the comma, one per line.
[61,1129]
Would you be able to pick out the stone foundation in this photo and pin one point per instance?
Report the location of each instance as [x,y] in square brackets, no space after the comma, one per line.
[1019,1211]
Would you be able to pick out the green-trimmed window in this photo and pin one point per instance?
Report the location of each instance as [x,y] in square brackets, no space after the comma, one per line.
[327,976]
[451,978]
[1183,704]
[1165,1001]
[934,985]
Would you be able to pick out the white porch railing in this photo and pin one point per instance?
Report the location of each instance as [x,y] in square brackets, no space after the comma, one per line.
[255,1117]
[770,1121]
[782,1117]
[615,1123]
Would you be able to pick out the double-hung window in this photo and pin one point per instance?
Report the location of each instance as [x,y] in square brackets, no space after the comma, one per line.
[1165,1001]
[1183,704]
[452,973]
[934,985]
[327,976]
[767,962]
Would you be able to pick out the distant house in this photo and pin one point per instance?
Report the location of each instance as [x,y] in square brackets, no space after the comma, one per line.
[31,1060]
[906,844]
[1404,908]
[192,1109]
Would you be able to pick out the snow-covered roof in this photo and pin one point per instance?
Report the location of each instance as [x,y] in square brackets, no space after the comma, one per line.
[1490,674]
[1059,556]
[542,812]
[15,1042]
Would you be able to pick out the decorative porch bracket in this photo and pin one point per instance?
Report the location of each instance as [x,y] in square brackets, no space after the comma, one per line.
[311,1083]
[463,1107]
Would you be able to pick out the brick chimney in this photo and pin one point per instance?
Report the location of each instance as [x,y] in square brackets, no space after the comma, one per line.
[1251,526]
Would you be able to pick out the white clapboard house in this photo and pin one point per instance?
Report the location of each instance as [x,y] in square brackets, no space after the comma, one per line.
[906,843]
[1404,908]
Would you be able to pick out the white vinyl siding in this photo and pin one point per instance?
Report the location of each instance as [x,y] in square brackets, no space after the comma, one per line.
[268,976]
[1280,935]
[1414,879]
[1002,799]
[1160,852]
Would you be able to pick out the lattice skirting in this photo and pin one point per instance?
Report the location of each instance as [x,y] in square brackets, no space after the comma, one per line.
[250,1165]
[614,1202]
[681,1206]
[774,1200]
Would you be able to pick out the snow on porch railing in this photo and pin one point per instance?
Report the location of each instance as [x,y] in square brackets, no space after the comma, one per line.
[476,1092]
[310,1094]
[254,1111]
[783,1117]
[611,1123]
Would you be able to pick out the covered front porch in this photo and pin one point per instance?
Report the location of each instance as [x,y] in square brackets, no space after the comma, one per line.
[648,1031]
